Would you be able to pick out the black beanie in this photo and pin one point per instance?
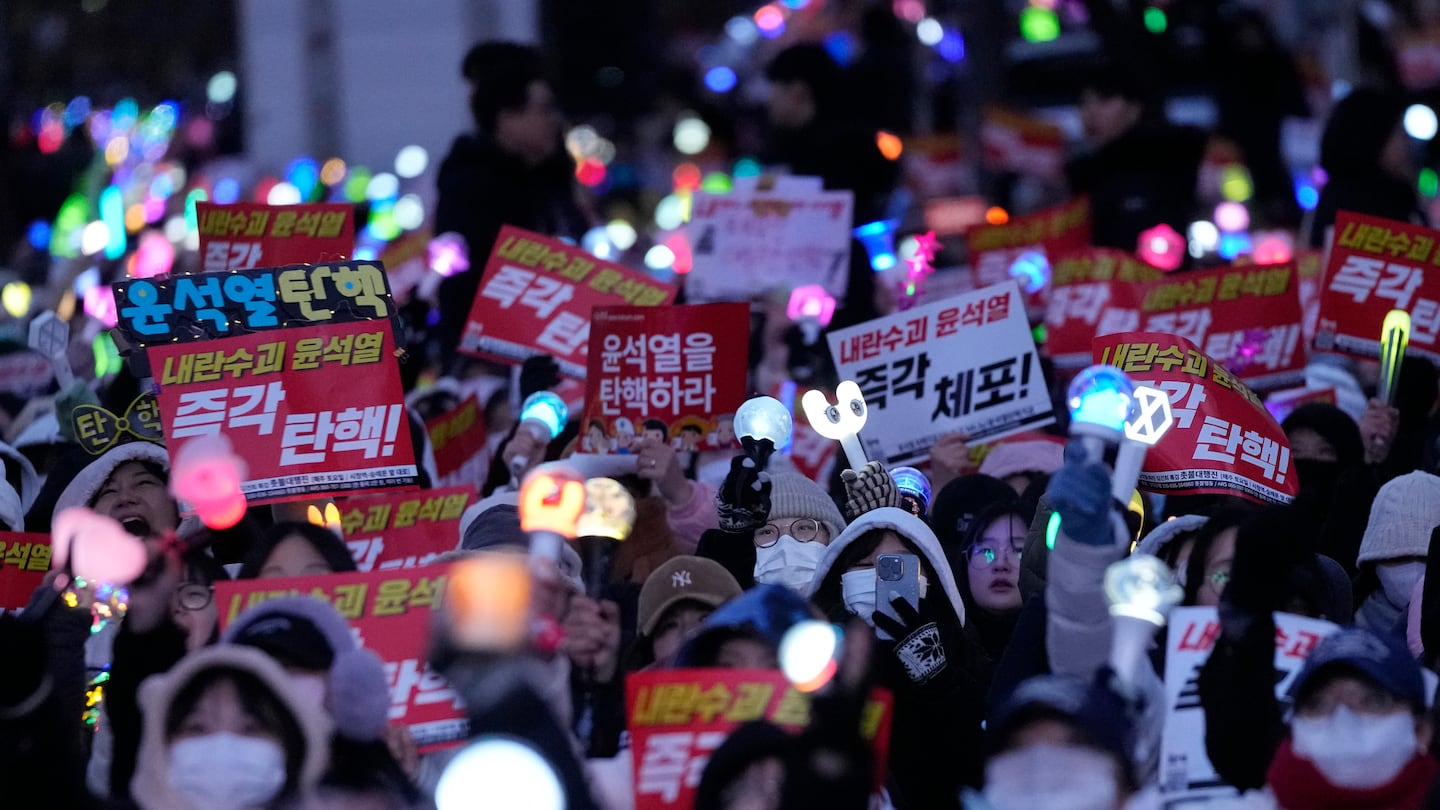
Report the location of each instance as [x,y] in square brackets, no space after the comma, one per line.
[1334,426]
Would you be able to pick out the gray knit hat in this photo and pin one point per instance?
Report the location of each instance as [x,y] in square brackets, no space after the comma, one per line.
[792,495]
[1401,518]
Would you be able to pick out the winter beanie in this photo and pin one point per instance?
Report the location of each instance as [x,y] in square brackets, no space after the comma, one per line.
[1401,518]
[792,495]
[293,628]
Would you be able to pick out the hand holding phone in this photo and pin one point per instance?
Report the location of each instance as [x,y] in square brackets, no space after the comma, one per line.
[896,574]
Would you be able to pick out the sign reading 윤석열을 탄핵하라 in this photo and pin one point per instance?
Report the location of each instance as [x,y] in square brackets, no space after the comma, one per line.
[259,355]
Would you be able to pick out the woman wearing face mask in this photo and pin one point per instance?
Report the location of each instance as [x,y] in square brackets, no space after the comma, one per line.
[1392,553]
[1360,734]
[1061,744]
[801,522]
[224,730]
[938,673]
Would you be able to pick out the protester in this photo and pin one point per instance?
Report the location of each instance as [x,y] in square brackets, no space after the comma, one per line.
[1393,551]
[226,729]
[676,599]
[1366,161]
[296,550]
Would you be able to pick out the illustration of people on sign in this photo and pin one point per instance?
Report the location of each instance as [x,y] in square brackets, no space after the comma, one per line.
[595,439]
[624,435]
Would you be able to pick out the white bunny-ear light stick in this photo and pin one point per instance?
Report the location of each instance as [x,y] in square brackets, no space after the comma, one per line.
[841,421]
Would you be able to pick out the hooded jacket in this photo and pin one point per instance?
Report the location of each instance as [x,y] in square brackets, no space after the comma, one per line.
[151,786]
[763,613]
[825,587]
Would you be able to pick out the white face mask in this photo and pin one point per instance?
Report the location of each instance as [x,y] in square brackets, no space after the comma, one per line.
[1356,750]
[789,562]
[227,771]
[1399,580]
[857,588]
[1054,777]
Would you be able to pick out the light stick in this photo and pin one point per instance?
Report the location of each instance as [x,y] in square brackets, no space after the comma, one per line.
[763,425]
[551,500]
[544,415]
[841,422]
[1394,337]
[1141,591]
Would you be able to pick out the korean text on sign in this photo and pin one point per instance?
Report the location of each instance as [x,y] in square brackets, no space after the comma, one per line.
[666,365]
[1085,285]
[964,364]
[1248,318]
[677,718]
[1052,232]
[403,529]
[273,395]
[748,241]
[243,235]
[181,309]
[1222,440]
[1377,265]
[24,559]
[390,613]
[1186,774]
[536,295]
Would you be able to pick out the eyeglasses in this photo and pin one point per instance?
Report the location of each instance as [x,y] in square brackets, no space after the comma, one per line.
[803,529]
[984,555]
[194,595]
[1218,579]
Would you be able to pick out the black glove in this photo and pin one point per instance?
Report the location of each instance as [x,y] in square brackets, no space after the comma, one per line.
[929,650]
[870,488]
[1080,492]
[743,500]
[538,373]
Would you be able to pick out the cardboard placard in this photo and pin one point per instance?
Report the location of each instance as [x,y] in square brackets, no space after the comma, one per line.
[457,437]
[1186,774]
[1377,265]
[749,241]
[1222,439]
[536,295]
[182,309]
[1083,284]
[675,365]
[273,394]
[243,235]
[403,529]
[390,613]
[24,561]
[677,717]
[1248,318]
[965,364]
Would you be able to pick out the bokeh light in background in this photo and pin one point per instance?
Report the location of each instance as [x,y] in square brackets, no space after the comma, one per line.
[411,161]
[691,135]
[1039,24]
[1232,216]
[720,79]
[1420,122]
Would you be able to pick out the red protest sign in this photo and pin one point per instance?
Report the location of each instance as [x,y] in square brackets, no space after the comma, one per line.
[1051,232]
[678,717]
[1083,284]
[1377,265]
[665,365]
[1248,318]
[24,559]
[274,395]
[1222,439]
[390,612]
[1026,144]
[457,438]
[403,529]
[243,235]
[536,295]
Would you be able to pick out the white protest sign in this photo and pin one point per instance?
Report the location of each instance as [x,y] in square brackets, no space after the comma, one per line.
[1186,775]
[965,364]
[751,240]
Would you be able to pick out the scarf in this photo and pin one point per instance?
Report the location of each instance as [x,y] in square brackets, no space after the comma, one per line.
[1299,785]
